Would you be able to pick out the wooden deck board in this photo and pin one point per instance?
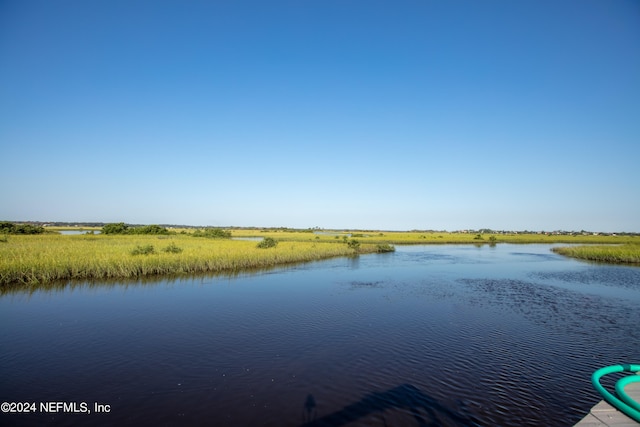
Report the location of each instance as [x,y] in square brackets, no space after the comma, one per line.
[605,415]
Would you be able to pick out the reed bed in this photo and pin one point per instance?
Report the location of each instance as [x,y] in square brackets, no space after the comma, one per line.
[418,237]
[46,258]
[619,254]
[42,259]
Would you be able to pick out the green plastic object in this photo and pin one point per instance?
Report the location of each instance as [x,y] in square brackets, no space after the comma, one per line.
[623,402]
[622,394]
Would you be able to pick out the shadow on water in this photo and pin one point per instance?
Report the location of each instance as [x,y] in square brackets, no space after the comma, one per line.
[424,409]
[310,412]
[354,262]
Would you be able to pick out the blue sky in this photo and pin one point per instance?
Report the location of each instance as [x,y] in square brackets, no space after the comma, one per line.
[339,113]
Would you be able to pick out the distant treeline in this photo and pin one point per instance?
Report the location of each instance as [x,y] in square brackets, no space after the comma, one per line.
[70,224]
[39,224]
[7,227]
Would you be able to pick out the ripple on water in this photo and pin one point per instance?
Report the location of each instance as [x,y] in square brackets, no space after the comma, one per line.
[618,276]
[558,308]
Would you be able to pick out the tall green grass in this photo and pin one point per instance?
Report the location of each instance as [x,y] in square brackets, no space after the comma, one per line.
[620,254]
[419,237]
[48,258]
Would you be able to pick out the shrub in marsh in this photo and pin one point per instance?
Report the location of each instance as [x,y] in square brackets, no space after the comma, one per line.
[122,228]
[354,244]
[172,249]
[29,229]
[213,233]
[4,237]
[385,247]
[115,228]
[7,227]
[143,250]
[148,229]
[267,242]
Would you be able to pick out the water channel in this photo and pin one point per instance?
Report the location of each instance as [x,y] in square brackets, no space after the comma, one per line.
[447,335]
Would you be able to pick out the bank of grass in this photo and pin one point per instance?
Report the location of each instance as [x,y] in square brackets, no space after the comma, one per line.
[618,254]
[47,258]
[417,237]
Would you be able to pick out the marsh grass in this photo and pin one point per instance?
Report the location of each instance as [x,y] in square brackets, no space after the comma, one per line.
[422,238]
[47,258]
[619,254]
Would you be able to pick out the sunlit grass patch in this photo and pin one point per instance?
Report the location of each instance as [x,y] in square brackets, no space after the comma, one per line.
[47,258]
[431,237]
[623,254]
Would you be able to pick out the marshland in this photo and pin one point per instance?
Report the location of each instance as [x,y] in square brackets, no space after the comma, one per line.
[286,327]
[118,251]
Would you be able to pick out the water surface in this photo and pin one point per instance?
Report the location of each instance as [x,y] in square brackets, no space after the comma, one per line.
[76,232]
[449,335]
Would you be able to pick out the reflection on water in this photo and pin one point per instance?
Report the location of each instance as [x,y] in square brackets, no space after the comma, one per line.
[448,335]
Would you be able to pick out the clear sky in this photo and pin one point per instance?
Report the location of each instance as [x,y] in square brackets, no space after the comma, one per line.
[363,114]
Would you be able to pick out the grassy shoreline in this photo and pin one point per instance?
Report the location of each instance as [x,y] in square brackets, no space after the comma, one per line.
[422,238]
[46,258]
[43,259]
[613,254]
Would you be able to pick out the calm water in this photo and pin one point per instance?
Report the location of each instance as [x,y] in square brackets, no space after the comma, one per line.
[427,336]
[76,232]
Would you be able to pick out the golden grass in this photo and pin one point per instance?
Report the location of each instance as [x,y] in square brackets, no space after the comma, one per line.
[47,258]
[620,254]
[38,259]
[416,237]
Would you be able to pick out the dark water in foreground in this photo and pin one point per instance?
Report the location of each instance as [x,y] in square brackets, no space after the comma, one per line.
[427,336]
